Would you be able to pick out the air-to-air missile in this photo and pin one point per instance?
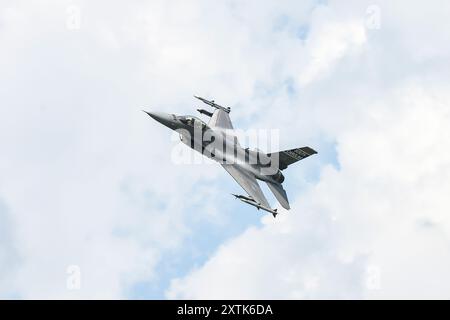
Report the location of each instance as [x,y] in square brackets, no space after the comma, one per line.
[252,202]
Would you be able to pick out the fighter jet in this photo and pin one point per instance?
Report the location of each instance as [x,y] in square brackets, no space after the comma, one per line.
[217,141]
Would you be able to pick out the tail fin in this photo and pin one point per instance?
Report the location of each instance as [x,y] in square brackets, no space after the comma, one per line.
[280,194]
[289,157]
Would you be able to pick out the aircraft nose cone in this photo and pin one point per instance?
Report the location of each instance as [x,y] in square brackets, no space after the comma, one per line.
[161,117]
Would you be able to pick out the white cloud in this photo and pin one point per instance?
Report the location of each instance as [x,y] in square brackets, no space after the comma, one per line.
[331,38]
[386,207]
[377,227]
[9,258]
[87,179]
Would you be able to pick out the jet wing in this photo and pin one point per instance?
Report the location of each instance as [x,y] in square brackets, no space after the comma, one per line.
[248,183]
[220,119]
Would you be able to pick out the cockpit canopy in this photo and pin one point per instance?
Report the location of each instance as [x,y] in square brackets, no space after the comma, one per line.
[193,121]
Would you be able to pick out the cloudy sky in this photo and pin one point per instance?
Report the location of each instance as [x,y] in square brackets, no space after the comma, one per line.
[92,204]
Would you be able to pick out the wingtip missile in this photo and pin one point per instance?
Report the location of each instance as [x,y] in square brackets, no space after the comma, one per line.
[239,196]
[213,104]
[274,213]
[258,206]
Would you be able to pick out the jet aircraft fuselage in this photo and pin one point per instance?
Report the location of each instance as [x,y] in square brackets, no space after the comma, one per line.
[216,140]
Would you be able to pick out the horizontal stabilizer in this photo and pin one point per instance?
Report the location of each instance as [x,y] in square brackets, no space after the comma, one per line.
[289,157]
